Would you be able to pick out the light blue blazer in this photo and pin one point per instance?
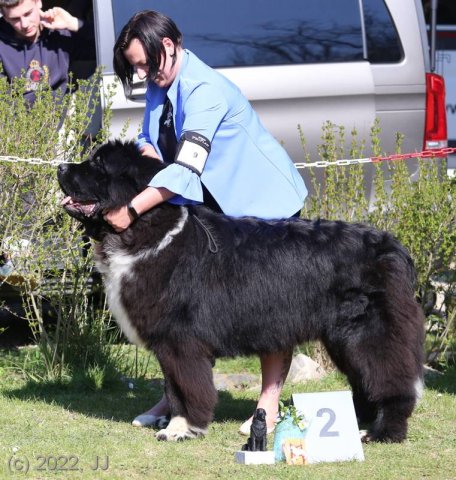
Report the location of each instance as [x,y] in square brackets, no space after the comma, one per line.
[247,170]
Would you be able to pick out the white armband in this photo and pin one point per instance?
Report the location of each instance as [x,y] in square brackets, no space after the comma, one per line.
[192,151]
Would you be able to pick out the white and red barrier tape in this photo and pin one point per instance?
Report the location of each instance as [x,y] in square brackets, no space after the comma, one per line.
[442,152]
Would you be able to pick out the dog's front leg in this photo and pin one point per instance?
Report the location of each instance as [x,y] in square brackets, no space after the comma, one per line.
[191,395]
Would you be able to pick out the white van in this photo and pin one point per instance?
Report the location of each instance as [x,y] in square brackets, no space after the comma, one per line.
[303,62]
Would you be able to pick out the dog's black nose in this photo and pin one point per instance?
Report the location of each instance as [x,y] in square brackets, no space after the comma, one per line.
[63,169]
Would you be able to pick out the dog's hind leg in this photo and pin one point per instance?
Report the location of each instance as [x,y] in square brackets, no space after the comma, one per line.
[349,362]
[381,358]
[190,392]
[366,411]
[383,396]
[391,422]
[396,383]
[395,377]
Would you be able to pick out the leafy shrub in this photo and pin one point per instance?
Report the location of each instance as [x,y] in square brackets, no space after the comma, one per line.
[53,268]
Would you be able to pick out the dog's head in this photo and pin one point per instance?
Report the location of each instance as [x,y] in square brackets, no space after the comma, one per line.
[260,414]
[114,174]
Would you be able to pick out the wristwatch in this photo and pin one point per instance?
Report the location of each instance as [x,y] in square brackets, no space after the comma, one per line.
[132,211]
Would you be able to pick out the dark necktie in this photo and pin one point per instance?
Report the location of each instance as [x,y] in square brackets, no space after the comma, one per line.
[167,142]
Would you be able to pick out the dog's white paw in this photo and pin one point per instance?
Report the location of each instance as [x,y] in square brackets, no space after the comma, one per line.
[178,430]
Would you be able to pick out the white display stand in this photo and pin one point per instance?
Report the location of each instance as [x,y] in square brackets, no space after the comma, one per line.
[333,433]
[254,458]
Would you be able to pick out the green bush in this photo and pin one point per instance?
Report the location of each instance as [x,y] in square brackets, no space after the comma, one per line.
[53,268]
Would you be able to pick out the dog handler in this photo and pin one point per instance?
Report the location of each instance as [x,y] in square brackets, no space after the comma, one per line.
[218,152]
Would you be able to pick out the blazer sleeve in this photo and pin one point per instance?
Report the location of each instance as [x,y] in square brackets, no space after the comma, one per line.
[203,111]
[144,136]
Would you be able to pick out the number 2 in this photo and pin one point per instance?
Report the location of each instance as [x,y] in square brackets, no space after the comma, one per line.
[325,432]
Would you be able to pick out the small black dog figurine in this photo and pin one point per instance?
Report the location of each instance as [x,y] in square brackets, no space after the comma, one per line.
[258,433]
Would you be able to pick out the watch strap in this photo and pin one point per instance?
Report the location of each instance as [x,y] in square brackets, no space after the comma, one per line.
[132,211]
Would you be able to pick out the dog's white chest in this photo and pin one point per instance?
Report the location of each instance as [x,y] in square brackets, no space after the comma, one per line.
[116,270]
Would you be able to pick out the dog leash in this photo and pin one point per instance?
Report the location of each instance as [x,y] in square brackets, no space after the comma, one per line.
[213,248]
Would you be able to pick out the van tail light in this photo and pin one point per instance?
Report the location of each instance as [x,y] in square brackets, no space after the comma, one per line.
[435,133]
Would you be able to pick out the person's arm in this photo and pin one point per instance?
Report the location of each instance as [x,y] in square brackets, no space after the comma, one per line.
[121,218]
[59,19]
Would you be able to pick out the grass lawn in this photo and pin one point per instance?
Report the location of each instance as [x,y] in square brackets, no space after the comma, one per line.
[76,424]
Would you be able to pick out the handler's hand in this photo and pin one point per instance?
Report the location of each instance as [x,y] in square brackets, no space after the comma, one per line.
[149,151]
[59,19]
[119,219]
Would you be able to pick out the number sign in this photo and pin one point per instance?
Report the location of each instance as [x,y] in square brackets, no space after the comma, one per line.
[333,433]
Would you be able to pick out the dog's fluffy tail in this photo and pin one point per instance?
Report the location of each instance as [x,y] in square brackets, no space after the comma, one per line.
[400,276]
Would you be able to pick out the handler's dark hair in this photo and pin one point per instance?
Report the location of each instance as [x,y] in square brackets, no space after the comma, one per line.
[9,3]
[150,28]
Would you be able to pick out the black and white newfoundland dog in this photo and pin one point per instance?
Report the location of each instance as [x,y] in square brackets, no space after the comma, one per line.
[193,285]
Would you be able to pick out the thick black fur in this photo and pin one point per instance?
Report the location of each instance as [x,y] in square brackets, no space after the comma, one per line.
[270,285]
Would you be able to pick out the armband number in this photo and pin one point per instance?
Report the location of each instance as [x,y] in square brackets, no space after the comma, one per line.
[192,151]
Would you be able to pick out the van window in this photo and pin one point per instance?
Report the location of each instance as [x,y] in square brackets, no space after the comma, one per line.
[271,32]
[382,39]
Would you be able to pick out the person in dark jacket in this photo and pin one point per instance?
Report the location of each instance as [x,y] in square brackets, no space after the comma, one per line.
[40,46]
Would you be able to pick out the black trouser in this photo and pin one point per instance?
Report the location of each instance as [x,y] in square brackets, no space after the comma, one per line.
[209,201]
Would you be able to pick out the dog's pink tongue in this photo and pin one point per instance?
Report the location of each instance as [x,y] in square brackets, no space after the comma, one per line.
[66,200]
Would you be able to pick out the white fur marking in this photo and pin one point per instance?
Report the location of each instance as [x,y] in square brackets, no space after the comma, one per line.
[419,389]
[179,429]
[119,266]
[168,238]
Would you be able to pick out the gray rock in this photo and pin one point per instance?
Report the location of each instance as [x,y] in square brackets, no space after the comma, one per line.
[304,368]
[236,381]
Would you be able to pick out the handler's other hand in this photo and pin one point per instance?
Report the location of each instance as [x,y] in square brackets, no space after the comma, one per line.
[59,19]
[149,151]
[119,219]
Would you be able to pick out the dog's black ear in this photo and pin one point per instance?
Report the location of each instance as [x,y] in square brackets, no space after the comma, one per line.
[139,168]
[128,148]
